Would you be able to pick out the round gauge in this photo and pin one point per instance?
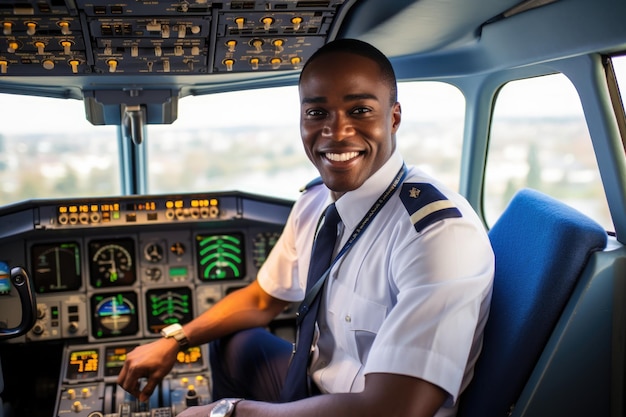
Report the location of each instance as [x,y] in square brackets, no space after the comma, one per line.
[111,263]
[114,314]
[262,245]
[153,252]
[178,249]
[153,274]
[56,267]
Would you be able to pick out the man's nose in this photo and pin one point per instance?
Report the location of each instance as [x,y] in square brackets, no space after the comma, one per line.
[338,127]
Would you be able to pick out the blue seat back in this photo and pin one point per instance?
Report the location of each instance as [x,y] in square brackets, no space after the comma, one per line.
[541,247]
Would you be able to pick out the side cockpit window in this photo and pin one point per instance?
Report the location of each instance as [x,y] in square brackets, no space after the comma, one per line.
[539,139]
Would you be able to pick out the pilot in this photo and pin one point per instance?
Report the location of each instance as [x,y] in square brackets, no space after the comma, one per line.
[395,326]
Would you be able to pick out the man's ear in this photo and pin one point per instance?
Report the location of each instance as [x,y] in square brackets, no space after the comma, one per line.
[396,117]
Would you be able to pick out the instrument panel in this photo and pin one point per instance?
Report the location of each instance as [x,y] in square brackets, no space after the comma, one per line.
[110,273]
[116,269]
[88,387]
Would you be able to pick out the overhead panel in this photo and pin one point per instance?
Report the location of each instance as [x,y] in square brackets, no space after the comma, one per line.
[65,38]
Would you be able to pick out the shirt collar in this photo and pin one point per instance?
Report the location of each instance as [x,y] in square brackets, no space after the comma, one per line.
[353,205]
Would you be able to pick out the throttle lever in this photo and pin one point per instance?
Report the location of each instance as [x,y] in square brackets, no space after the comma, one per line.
[24,286]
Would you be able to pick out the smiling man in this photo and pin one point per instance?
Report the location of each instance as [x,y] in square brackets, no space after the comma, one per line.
[397,323]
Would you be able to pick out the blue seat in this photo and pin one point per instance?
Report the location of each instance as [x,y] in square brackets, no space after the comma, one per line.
[541,247]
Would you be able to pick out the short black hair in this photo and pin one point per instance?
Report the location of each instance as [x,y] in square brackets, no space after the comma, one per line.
[364,49]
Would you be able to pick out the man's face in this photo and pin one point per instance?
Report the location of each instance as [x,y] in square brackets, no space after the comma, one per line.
[347,123]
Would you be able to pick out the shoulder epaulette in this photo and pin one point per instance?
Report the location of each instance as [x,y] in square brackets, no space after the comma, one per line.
[312,183]
[426,204]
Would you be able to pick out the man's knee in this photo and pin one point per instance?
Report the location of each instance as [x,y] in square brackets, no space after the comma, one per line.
[250,363]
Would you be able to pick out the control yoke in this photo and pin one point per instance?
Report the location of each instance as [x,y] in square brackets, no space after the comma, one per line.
[24,287]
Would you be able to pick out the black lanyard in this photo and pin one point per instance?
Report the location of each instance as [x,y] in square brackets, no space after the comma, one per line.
[365,222]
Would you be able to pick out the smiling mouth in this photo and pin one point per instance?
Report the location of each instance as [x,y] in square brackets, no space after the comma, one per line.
[341,157]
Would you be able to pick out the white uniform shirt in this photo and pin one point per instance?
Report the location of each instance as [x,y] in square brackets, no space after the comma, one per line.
[410,297]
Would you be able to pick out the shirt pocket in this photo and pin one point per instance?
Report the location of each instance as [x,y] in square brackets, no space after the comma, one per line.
[363,319]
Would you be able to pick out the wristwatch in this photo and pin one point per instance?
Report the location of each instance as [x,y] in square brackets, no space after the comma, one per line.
[225,408]
[176,331]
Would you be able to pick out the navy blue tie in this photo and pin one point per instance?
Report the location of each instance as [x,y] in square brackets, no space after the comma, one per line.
[297,382]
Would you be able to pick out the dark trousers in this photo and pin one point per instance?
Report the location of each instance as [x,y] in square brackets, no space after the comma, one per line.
[250,364]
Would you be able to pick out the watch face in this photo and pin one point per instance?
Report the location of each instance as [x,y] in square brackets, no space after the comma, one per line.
[223,408]
[171,329]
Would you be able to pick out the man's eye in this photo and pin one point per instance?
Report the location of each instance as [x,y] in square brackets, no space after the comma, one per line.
[361,110]
[314,113]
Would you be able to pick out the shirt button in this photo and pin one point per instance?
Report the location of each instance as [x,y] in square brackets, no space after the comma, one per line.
[348,319]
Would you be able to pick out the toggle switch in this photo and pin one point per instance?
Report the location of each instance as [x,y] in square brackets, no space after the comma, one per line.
[158,51]
[3,67]
[134,51]
[267,22]
[67,45]
[276,63]
[229,64]
[297,21]
[295,61]
[31,28]
[278,44]
[231,45]
[74,63]
[7,28]
[258,45]
[12,47]
[65,27]
[240,22]
[112,63]
[254,63]
[40,47]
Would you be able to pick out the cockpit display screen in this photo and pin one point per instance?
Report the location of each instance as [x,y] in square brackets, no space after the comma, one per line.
[220,256]
[166,306]
[114,314]
[5,278]
[56,267]
[83,364]
[188,359]
[114,357]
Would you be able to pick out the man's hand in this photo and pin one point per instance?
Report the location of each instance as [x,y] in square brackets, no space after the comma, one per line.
[152,361]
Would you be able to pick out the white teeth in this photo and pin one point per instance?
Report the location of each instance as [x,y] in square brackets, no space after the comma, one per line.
[341,157]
